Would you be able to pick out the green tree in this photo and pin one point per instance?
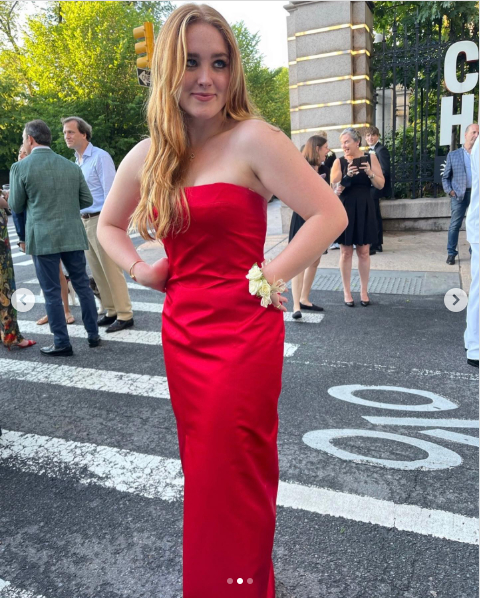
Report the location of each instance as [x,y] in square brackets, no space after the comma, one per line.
[453,15]
[77,58]
[268,88]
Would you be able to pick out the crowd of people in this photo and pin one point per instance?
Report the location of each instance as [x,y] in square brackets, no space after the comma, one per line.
[61,232]
[201,182]
[360,179]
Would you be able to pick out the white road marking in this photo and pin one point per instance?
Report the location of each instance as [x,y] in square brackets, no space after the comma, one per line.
[155,308]
[160,478]
[422,422]
[130,285]
[408,518]
[9,591]
[126,471]
[289,349]
[438,457]
[18,254]
[158,307]
[346,393]
[25,263]
[307,318]
[453,437]
[140,337]
[85,378]
[391,369]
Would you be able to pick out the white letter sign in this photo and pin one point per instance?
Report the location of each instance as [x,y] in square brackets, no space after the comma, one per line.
[450,69]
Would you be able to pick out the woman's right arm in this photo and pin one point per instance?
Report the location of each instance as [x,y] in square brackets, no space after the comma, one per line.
[115,217]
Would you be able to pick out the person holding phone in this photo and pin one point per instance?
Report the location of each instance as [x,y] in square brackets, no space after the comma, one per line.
[357,172]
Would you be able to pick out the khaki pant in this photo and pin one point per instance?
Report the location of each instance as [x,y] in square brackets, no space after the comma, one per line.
[108,276]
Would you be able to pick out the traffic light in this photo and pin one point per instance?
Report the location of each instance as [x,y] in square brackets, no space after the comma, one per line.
[146,46]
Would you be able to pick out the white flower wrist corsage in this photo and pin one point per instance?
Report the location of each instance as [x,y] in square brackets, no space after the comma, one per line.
[260,287]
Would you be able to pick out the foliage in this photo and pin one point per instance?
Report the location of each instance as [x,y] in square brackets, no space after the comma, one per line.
[77,58]
[409,144]
[452,13]
[419,63]
[268,88]
[434,22]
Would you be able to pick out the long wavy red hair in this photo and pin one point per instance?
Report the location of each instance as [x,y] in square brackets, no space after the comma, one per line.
[163,206]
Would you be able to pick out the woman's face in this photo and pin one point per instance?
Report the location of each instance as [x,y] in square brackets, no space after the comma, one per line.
[207,75]
[22,153]
[349,146]
[322,152]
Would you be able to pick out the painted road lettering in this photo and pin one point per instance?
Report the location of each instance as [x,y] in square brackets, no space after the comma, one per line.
[438,457]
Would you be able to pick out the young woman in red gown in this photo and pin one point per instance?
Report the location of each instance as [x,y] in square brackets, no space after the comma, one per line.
[201,183]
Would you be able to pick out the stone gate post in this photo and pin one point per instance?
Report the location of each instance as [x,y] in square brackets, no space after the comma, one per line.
[329,48]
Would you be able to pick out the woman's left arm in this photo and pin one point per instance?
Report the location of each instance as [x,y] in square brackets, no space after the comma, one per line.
[284,172]
[378,180]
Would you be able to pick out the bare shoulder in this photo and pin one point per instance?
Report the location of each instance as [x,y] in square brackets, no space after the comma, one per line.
[139,151]
[255,130]
[135,159]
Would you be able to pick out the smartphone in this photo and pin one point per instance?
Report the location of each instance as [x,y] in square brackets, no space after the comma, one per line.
[360,162]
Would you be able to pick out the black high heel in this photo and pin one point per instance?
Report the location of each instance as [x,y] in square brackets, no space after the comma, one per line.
[350,303]
[365,303]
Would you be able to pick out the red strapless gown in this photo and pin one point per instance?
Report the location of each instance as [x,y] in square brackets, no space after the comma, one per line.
[224,355]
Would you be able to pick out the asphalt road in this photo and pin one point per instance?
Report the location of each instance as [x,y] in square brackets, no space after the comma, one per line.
[91,487]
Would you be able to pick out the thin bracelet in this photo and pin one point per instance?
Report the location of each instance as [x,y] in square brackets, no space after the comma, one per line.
[132,275]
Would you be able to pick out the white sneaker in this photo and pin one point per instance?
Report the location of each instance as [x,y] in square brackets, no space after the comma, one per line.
[334,246]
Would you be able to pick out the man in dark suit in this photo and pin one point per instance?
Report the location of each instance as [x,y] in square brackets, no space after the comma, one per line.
[52,191]
[372,134]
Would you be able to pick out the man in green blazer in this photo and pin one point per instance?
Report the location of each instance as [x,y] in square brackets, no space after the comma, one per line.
[52,191]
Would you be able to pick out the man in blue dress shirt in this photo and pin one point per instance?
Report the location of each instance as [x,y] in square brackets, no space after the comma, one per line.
[99,171]
[457,182]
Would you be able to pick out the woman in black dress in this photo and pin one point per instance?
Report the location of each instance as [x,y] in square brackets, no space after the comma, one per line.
[315,151]
[356,173]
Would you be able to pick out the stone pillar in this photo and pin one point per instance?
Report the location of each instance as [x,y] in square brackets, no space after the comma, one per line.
[329,48]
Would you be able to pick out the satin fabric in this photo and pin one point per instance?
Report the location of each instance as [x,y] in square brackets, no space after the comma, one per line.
[224,355]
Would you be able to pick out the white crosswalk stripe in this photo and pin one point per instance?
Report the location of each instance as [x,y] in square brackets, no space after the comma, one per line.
[141,337]
[126,471]
[154,308]
[157,308]
[157,477]
[9,591]
[307,318]
[25,263]
[131,285]
[85,378]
